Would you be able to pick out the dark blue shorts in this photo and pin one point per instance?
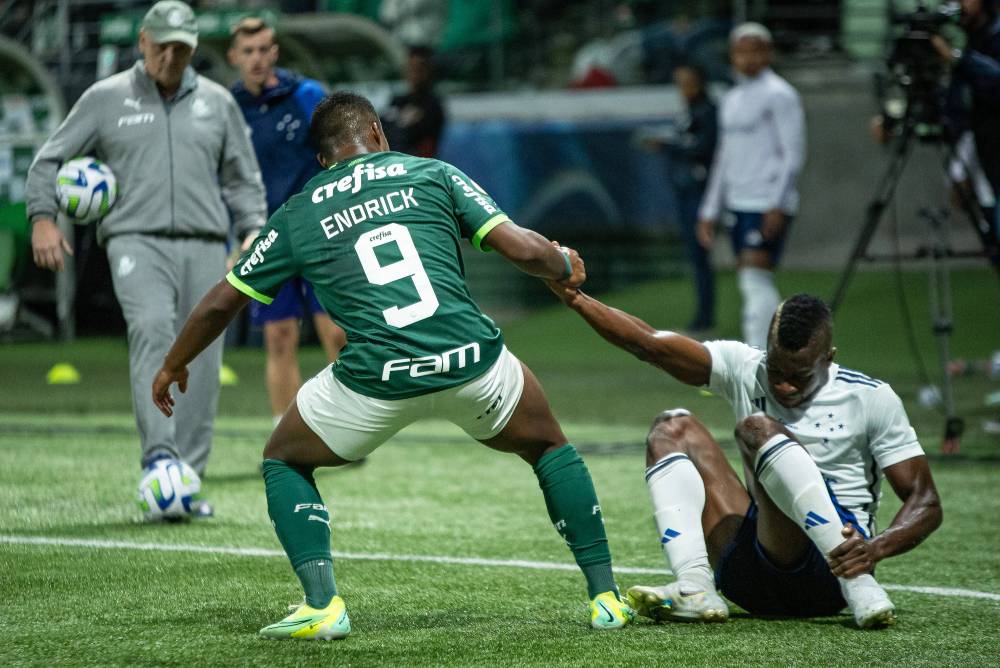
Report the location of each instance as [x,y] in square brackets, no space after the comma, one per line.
[748,578]
[290,303]
[746,233]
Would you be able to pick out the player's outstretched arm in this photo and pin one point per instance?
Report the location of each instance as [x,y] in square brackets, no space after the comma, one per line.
[919,516]
[683,358]
[208,319]
[537,256]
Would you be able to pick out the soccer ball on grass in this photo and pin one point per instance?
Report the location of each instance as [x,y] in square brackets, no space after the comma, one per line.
[168,489]
[86,189]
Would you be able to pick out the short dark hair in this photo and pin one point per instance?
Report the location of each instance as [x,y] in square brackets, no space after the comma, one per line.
[248,25]
[798,319]
[339,119]
[695,69]
[420,51]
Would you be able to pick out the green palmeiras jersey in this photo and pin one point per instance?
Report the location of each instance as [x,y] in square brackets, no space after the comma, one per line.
[378,238]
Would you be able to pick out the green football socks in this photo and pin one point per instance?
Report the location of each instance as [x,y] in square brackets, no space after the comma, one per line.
[318,582]
[302,523]
[573,508]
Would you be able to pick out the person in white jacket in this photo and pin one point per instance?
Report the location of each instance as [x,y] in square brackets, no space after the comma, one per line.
[753,177]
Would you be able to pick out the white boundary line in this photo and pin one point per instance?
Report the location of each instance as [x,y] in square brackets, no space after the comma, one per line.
[379,556]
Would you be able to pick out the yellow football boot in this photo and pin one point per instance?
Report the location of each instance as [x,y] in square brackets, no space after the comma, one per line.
[607,612]
[308,623]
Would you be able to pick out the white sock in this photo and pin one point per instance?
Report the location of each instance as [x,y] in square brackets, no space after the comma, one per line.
[793,481]
[760,300]
[795,484]
[678,495]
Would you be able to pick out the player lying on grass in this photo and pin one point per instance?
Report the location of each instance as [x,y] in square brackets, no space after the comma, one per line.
[377,235]
[815,439]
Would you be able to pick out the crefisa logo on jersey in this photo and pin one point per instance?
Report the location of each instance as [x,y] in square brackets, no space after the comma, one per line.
[257,256]
[477,197]
[352,182]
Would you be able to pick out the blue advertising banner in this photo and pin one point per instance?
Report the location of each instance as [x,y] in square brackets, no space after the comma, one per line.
[576,177]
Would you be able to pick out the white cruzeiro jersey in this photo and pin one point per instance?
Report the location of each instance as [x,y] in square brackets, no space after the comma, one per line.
[853,428]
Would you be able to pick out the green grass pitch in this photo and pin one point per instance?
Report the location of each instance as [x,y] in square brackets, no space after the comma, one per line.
[446,556]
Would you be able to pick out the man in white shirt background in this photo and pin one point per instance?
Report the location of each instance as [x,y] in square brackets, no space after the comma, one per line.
[752,183]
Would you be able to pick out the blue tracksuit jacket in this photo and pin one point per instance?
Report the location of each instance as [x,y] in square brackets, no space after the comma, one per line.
[279,123]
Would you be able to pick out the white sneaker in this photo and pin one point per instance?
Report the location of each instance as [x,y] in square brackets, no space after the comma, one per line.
[868,601]
[677,602]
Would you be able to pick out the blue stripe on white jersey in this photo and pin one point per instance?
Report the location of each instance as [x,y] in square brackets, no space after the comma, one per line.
[846,515]
[874,478]
[848,379]
[856,375]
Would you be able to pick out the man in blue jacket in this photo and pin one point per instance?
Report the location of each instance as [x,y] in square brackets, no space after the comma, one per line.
[278,106]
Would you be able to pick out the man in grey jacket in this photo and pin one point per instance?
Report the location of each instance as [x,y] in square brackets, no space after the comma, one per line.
[180,149]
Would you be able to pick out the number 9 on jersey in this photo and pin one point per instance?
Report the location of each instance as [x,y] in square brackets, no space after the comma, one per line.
[409,266]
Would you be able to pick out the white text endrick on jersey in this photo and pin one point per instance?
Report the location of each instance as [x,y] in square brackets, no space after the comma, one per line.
[376,207]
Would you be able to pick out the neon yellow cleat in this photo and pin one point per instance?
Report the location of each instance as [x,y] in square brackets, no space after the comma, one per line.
[307,623]
[607,612]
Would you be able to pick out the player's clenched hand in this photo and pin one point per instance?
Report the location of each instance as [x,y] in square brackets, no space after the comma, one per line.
[161,388]
[853,557]
[564,292]
[579,274]
[48,244]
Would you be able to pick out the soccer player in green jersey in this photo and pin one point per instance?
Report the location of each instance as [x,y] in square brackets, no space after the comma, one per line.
[377,234]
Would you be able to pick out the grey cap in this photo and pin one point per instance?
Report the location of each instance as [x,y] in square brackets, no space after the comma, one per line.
[171,21]
[751,31]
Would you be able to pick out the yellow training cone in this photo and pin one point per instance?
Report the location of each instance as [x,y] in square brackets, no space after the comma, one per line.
[62,374]
[227,376]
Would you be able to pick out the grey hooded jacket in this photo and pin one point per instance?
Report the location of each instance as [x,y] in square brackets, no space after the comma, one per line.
[179,163]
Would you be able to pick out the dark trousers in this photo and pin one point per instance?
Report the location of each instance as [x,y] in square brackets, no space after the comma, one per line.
[688,201]
[987,139]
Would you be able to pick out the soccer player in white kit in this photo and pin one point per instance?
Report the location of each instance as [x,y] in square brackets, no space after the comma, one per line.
[752,184]
[816,439]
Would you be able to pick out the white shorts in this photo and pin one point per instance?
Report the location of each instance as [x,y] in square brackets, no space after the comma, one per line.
[352,425]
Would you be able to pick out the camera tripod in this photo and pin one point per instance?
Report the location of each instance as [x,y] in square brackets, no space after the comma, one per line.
[939,253]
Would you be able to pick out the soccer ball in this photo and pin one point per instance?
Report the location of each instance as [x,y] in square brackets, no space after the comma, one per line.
[167,489]
[86,189]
